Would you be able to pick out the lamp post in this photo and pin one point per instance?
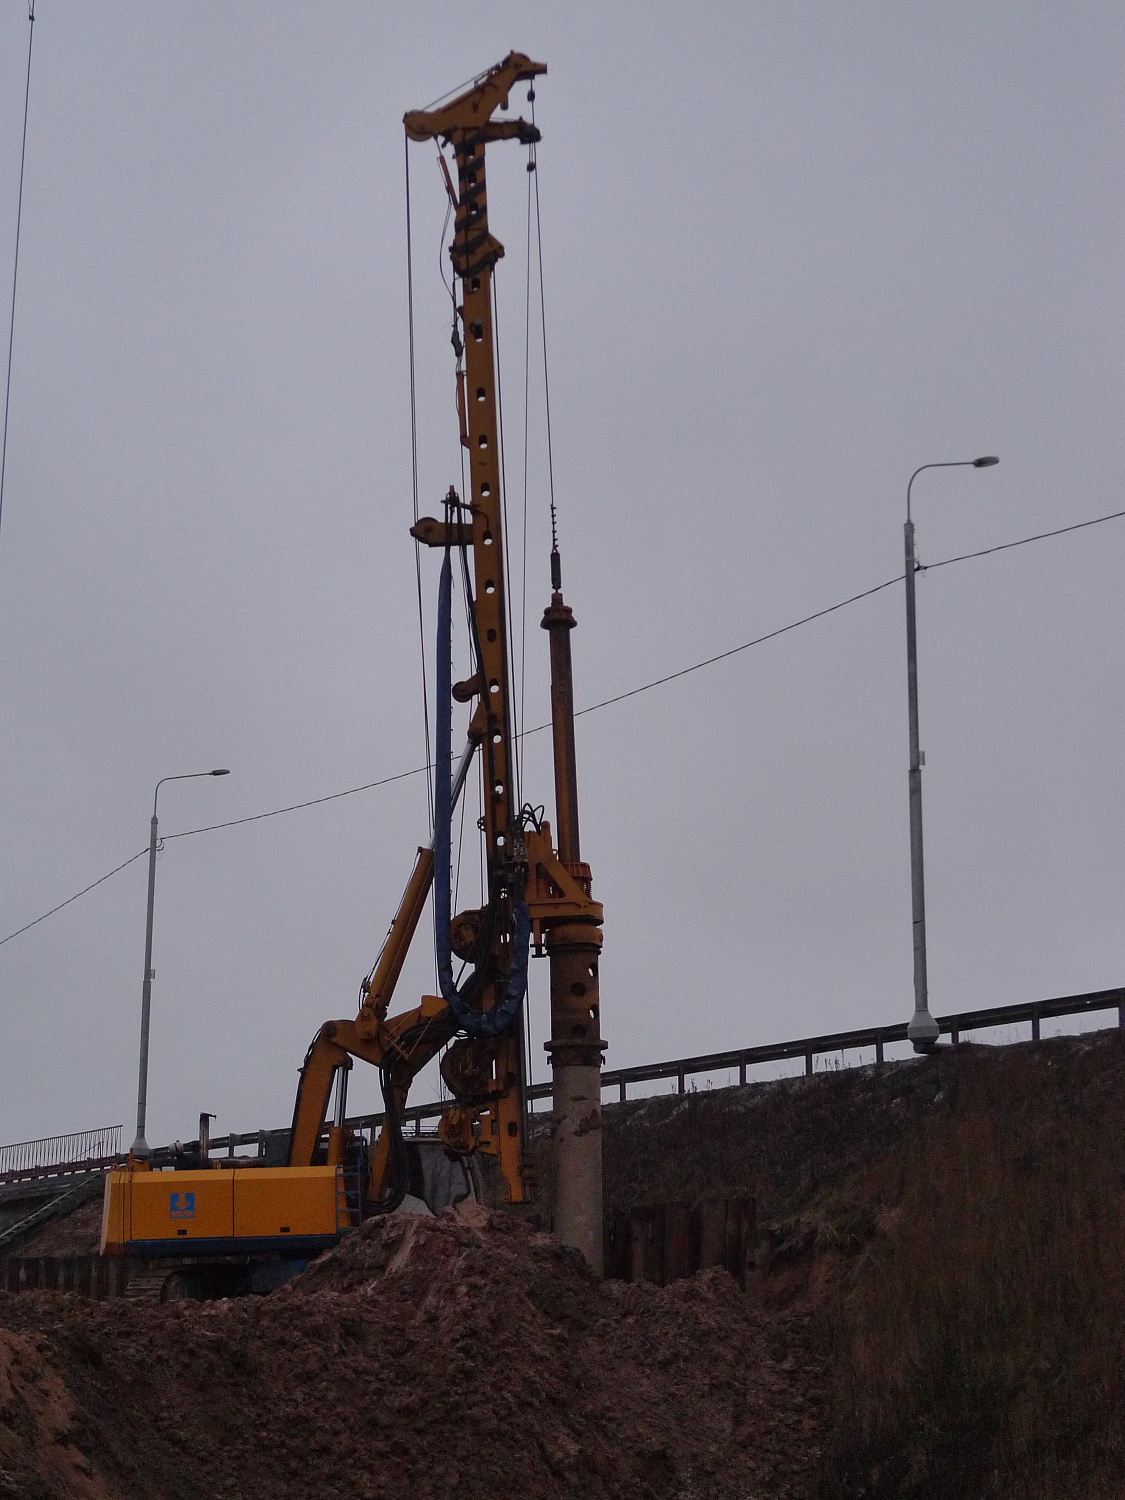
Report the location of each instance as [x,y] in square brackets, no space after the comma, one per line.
[923,1029]
[140,1145]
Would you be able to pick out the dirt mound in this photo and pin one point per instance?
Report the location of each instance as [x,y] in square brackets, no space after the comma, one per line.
[38,1457]
[934,1309]
[468,1354]
[468,1247]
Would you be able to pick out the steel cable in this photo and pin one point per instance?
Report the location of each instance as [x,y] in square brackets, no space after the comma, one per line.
[16,261]
[414,475]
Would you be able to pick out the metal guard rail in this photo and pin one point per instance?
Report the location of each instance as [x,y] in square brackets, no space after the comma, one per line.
[55,1153]
[808,1048]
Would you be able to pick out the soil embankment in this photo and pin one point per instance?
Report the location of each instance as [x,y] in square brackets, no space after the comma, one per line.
[77,1233]
[935,1308]
[956,1228]
[466,1355]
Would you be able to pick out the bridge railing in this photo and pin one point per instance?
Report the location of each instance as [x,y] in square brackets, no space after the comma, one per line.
[52,1154]
[93,1149]
[807,1049]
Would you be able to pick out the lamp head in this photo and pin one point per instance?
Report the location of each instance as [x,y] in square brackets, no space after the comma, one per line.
[984,463]
[227,773]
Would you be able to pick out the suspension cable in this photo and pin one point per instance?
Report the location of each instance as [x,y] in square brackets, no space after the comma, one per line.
[451,205]
[457,89]
[414,477]
[16,262]
[543,325]
[517,756]
[526,431]
[532,171]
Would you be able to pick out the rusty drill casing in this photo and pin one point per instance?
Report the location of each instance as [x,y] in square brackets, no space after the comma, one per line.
[559,621]
[574,948]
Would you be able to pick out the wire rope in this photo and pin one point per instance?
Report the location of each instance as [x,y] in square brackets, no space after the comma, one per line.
[16,259]
[546,381]
[414,479]
[474,665]
[526,432]
[460,88]
[451,284]
[819,614]
[511,645]
[532,171]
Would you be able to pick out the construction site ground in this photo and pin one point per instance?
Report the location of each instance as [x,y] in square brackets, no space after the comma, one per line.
[934,1306]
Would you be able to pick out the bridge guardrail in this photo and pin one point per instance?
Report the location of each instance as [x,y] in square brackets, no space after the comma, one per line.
[810,1048]
[79,1151]
[877,1038]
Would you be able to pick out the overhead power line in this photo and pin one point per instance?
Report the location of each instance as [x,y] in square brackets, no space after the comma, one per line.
[758,640]
[698,666]
[831,609]
[16,259]
[1040,536]
[100,881]
[295,806]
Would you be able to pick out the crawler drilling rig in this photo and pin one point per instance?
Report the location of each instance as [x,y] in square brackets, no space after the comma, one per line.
[537,892]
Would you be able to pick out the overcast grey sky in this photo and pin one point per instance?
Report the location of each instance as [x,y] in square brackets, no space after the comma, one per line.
[792,251]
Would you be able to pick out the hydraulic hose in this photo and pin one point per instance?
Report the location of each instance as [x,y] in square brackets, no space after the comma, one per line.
[476,1023]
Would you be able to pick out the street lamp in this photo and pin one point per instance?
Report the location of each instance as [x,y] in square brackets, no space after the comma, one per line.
[923,1029]
[140,1145]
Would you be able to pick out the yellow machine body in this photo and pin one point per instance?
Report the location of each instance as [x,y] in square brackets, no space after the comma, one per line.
[252,1210]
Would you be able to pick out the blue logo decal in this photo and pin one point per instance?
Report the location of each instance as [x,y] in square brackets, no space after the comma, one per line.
[181,1206]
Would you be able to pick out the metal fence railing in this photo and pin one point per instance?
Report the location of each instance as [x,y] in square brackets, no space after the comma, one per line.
[55,1152]
[91,1149]
[807,1049]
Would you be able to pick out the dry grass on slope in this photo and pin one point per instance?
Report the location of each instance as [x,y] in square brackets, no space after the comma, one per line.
[979,1343]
